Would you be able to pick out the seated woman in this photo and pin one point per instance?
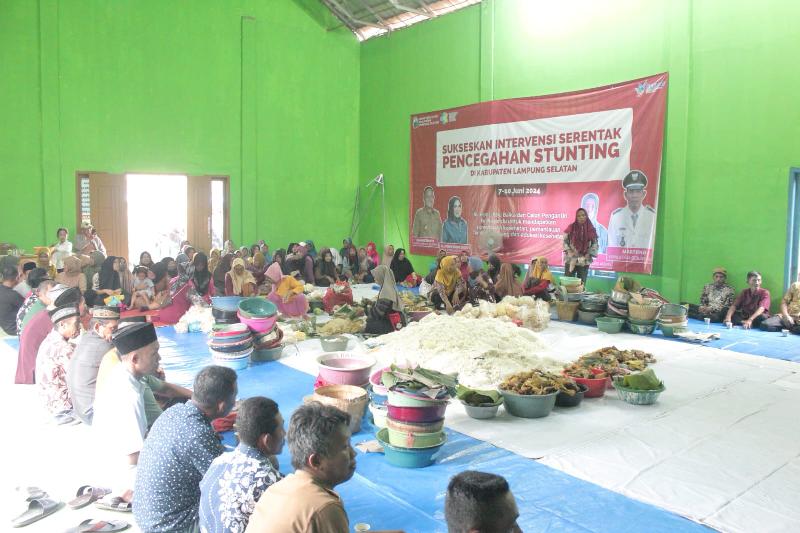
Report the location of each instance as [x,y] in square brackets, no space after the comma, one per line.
[143,293]
[400,266]
[480,284]
[507,284]
[193,285]
[449,291]
[71,275]
[96,260]
[214,257]
[220,272]
[716,298]
[257,267]
[279,257]
[126,279]
[388,255]
[350,262]
[160,282]
[538,280]
[239,281]
[494,267]
[106,283]
[146,260]
[302,262]
[287,292]
[325,272]
[387,313]
[751,307]
[365,266]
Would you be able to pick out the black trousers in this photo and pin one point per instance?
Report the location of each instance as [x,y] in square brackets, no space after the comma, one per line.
[578,272]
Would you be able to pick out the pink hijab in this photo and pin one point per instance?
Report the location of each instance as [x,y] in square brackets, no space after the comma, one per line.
[372,253]
[275,273]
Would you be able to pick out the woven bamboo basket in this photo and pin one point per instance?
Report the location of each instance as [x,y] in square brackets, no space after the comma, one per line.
[567,310]
[348,398]
[644,311]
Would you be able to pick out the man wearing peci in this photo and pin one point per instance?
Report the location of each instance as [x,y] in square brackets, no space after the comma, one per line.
[427,220]
[632,226]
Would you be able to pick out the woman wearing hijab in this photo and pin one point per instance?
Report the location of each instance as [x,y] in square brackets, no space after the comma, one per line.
[480,285]
[228,248]
[365,266]
[454,228]
[301,262]
[507,284]
[350,262]
[538,279]
[387,313]
[400,266]
[494,267]
[257,267]
[239,281]
[280,257]
[346,244]
[106,281]
[71,276]
[223,267]
[286,293]
[94,267]
[126,279]
[325,272]
[213,259]
[449,290]
[388,255]
[463,265]
[372,253]
[580,246]
[194,284]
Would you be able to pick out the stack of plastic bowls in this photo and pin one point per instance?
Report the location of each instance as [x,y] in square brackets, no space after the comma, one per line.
[231,346]
[592,306]
[259,314]
[617,306]
[414,428]
[378,398]
[268,346]
[224,309]
[673,317]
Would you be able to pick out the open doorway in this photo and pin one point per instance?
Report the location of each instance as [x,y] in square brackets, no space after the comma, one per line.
[135,212]
[157,214]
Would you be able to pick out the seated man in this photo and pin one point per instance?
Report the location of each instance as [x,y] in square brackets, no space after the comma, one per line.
[53,357]
[789,317]
[752,304]
[40,284]
[319,439]
[119,417]
[235,481]
[715,299]
[477,502]
[177,453]
[153,382]
[82,369]
[10,300]
[23,287]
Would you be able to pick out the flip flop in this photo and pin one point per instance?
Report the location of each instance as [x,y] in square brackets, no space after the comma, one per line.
[114,504]
[86,495]
[37,509]
[94,526]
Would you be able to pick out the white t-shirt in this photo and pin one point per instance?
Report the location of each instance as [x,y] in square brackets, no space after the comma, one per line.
[61,251]
[119,415]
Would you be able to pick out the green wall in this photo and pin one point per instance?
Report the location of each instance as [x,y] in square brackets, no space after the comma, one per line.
[733,121]
[259,91]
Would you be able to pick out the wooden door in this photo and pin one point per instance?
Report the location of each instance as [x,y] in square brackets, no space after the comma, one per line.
[198,191]
[109,211]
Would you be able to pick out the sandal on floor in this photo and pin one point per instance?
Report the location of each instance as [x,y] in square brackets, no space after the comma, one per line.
[86,495]
[95,526]
[37,509]
[114,504]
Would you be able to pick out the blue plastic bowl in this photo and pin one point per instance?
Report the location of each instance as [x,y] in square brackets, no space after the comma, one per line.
[408,457]
[226,303]
[236,364]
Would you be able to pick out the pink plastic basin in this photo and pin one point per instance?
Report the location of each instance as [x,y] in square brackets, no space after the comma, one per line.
[596,387]
[345,368]
[258,325]
[417,414]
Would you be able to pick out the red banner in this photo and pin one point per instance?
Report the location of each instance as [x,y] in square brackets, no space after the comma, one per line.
[507,176]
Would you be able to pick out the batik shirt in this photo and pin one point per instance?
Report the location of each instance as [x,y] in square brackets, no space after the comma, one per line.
[231,487]
[717,298]
[176,455]
[51,371]
[792,300]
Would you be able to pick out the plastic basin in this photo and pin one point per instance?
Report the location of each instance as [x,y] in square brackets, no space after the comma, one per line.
[565,400]
[482,412]
[595,388]
[568,280]
[588,317]
[402,399]
[225,317]
[345,368]
[674,310]
[377,385]
[379,415]
[638,397]
[232,330]
[257,307]
[259,325]
[641,329]
[405,439]
[431,413]
[334,344]
[669,329]
[226,303]
[528,406]
[415,427]
[231,347]
[609,324]
[408,457]
[268,354]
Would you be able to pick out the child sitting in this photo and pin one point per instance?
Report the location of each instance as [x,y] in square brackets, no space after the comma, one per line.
[143,288]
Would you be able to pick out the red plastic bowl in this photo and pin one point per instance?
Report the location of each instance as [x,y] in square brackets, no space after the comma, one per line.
[596,387]
[259,325]
[417,414]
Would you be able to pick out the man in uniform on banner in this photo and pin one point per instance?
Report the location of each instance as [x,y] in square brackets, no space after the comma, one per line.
[427,221]
[632,226]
